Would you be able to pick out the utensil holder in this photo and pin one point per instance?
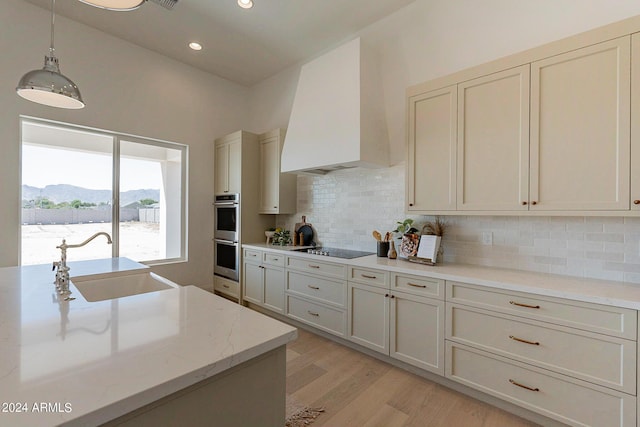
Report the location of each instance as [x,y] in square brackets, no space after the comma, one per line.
[383,248]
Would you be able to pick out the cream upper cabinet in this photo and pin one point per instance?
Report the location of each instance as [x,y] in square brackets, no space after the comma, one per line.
[277,190]
[228,161]
[431,163]
[635,123]
[493,142]
[580,130]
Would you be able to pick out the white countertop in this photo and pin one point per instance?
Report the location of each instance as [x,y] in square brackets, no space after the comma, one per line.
[89,362]
[605,292]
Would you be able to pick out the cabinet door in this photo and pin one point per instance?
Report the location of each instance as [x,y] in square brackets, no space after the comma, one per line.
[368,323]
[417,331]
[580,112]
[274,289]
[269,175]
[234,166]
[221,184]
[635,125]
[493,142]
[253,281]
[431,162]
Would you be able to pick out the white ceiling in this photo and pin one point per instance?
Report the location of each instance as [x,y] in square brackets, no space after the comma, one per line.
[243,45]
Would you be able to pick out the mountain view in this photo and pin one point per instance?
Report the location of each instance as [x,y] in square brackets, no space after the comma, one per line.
[66,193]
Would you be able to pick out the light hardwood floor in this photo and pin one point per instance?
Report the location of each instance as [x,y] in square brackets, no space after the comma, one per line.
[357,390]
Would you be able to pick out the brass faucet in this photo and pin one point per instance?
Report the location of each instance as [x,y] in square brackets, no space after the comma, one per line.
[62,273]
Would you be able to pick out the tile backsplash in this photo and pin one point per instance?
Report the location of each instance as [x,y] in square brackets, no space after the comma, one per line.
[346,206]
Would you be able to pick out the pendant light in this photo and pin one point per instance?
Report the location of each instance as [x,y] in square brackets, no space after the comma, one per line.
[48,86]
[119,5]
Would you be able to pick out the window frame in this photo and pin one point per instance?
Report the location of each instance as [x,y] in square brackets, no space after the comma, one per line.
[117,138]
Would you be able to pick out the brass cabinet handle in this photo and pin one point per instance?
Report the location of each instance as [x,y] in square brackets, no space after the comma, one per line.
[524,203]
[523,341]
[636,202]
[313,287]
[225,286]
[523,386]
[417,286]
[314,266]
[519,304]
[366,276]
[312,313]
[276,259]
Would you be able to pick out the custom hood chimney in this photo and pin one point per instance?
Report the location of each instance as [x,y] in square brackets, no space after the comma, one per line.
[337,120]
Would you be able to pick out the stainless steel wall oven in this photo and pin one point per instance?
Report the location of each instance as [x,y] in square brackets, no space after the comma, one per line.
[227,225]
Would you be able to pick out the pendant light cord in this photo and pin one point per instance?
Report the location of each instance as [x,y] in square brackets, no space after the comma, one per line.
[53,23]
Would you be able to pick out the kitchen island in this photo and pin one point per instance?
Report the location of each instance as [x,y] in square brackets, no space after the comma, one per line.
[181,355]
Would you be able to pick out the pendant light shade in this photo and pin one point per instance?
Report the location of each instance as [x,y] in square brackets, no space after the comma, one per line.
[48,86]
[121,5]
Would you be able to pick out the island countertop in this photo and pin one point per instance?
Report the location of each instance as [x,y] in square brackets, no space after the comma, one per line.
[85,363]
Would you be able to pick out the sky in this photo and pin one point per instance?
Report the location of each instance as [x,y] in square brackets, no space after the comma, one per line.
[45,166]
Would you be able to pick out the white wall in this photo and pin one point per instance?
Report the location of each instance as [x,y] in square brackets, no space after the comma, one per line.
[127,89]
[429,39]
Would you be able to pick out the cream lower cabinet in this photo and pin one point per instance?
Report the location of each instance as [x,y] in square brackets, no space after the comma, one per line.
[316,294]
[544,354]
[405,326]
[263,280]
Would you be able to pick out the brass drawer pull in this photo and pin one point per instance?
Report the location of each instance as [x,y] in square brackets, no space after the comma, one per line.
[366,276]
[416,286]
[314,266]
[313,287]
[519,304]
[523,386]
[312,313]
[225,286]
[523,341]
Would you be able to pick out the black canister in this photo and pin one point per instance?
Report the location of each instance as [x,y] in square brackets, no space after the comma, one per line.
[383,248]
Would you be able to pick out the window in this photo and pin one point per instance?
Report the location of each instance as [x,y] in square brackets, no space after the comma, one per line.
[78,181]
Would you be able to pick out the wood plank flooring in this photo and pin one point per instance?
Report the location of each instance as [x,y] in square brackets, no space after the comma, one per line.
[358,390]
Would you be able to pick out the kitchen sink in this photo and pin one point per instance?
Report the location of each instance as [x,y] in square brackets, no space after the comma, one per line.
[105,288]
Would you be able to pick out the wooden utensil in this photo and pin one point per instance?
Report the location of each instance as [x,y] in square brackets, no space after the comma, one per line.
[377,235]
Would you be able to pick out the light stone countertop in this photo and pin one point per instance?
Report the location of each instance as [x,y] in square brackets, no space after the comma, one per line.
[607,292]
[90,362]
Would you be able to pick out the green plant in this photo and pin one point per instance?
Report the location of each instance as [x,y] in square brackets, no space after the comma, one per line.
[405,227]
[281,237]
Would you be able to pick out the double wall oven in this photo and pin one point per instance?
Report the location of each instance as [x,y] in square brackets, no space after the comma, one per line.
[226,234]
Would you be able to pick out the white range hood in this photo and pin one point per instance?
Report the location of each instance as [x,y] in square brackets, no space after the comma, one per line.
[337,120]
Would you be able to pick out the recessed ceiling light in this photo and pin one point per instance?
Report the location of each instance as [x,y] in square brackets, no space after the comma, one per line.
[245,4]
[195,46]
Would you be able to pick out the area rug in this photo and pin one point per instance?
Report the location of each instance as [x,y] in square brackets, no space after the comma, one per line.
[298,414]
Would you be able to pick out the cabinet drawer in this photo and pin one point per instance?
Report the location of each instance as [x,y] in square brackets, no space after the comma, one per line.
[325,290]
[418,285]
[253,256]
[619,322]
[329,319]
[370,277]
[273,259]
[227,287]
[562,398]
[319,267]
[596,358]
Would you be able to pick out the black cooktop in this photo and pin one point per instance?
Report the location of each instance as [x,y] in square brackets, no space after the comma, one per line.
[338,253]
